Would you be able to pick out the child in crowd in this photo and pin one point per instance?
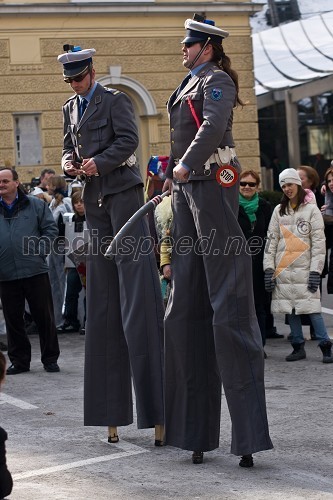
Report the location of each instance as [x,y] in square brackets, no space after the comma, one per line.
[163,222]
[75,275]
[60,204]
[6,482]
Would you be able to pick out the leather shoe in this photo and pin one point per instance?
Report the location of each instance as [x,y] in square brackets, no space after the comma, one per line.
[52,367]
[246,461]
[113,439]
[197,457]
[15,370]
[68,328]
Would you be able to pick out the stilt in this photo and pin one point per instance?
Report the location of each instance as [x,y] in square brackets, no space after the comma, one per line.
[113,435]
[159,435]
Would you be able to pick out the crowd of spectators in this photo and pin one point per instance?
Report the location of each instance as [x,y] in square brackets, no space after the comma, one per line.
[67,280]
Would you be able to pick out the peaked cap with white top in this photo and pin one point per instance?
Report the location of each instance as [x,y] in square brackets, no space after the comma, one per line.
[201,31]
[76,61]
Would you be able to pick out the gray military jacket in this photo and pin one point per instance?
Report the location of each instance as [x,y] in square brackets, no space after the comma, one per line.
[106,132]
[212,95]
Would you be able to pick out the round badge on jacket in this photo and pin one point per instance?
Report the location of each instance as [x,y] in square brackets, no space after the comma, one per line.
[227,176]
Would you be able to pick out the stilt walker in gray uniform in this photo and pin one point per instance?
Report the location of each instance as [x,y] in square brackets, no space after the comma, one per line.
[211,330]
[124,327]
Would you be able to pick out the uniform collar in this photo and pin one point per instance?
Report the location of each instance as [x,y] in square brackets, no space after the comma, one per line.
[89,95]
[196,70]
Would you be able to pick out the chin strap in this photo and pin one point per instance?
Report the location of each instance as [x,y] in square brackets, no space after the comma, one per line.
[199,53]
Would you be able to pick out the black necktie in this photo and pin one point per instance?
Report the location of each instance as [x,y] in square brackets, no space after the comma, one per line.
[82,107]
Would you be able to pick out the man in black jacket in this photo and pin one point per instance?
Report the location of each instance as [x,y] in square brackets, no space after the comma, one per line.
[27,230]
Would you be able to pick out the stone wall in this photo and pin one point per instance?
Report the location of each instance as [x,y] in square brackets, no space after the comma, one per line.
[146,54]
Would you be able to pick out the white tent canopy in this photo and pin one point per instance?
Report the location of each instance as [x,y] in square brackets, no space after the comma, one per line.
[293,61]
[293,53]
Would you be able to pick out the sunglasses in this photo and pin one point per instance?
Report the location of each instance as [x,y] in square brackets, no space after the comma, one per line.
[189,44]
[77,79]
[250,184]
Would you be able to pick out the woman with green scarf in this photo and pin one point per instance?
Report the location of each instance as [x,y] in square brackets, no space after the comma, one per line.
[254,216]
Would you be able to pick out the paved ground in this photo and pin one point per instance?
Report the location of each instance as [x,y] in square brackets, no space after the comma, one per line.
[52,456]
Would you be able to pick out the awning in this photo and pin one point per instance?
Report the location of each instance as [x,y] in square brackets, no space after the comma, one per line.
[294,55]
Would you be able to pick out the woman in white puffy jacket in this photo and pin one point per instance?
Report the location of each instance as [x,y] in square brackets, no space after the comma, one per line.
[293,262]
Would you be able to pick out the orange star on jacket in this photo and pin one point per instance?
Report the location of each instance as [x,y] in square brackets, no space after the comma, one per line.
[295,247]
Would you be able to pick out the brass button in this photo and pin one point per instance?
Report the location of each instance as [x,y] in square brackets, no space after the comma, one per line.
[79,135]
[172,130]
[172,142]
[80,146]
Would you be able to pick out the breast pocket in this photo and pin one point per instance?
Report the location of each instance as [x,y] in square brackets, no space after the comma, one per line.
[192,108]
[98,130]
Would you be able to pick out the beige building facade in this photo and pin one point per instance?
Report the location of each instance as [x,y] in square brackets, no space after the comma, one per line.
[138,51]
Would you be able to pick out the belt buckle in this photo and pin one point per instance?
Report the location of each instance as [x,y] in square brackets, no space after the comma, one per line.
[207,169]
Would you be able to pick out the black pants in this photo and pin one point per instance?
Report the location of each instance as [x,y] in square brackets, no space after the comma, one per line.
[37,291]
[73,289]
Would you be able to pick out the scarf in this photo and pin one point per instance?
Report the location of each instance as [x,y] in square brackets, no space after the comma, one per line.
[250,206]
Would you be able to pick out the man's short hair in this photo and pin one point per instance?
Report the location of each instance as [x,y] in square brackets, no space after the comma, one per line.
[12,170]
[47,171]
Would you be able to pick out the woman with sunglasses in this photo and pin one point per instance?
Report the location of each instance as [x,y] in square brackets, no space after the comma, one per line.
[211,330]
[253,217]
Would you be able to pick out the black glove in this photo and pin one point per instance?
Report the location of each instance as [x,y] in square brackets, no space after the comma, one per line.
[269,281]
[314,281]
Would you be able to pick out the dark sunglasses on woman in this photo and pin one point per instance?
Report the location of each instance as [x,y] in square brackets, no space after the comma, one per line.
[250,184]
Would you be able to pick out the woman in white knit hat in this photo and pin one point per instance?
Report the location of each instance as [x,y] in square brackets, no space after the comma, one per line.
[293,262]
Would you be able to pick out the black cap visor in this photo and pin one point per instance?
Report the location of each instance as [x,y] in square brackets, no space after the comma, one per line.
[193,36]
[76,68]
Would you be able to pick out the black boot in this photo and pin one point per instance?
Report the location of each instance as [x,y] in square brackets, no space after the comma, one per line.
[197,457]
[326,349]
[246,461]
[298,353]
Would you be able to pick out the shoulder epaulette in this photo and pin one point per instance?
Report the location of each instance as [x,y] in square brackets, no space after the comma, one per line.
[113,91]
[209,69]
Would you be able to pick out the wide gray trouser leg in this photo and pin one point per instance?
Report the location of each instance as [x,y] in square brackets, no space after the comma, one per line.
[206,210]
[124,328]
